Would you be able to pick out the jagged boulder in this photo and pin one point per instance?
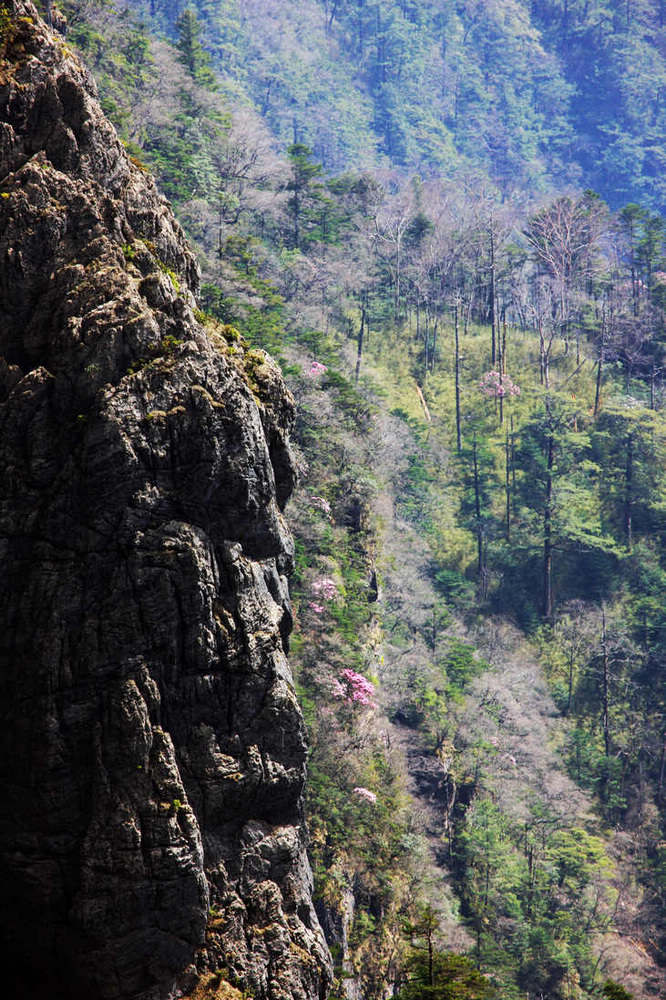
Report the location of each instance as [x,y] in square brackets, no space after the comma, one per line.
[152,752]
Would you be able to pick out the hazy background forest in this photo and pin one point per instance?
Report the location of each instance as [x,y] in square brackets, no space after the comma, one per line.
[446,222]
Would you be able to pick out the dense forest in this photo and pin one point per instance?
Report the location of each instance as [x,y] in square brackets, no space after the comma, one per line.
[531,94]
[444,221]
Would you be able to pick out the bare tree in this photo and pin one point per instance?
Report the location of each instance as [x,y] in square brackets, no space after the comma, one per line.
[564,238]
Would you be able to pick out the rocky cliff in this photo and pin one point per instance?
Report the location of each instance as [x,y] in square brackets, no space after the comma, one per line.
[152,750]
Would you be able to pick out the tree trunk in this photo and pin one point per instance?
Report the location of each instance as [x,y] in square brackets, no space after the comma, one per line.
[600,363]
[504,340]
[493,332]
[433,346]
[329,25]
[628,491]
[542,351]
[396,306]
[501,395]
[571,673]
[297,214]
[456,334]
[577,345]
[513,458]
[547,535]
[605,683]
[359,344]
[431,976]
[267,98]
[477,508]
[507,485]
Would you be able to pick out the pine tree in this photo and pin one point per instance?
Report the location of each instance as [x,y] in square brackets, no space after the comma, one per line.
[192,54]
[301,188]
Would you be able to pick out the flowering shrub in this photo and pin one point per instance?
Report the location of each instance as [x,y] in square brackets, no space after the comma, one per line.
[316,369]
[325,588]
[354,688]
[497,385]
[321,504]
[317,608]
[338,689]
[365,793]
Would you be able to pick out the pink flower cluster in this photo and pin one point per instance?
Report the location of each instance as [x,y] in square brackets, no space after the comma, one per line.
[317,608]
[497,385]
[354,688]
[321,504]
[365,793]
[316,369]
[325,588]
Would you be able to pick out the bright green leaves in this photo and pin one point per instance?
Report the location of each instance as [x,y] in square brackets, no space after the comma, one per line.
[630,443]
[433,691]
[446,976]
[529,891]
[614,991]
[577,857]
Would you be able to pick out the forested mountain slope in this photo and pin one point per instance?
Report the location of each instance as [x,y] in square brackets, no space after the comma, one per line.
[480,560]
[535,95]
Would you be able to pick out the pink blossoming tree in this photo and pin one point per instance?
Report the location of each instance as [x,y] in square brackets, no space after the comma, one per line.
[497,386]
[354,688]
[365,794]
[320,503]
[325,588]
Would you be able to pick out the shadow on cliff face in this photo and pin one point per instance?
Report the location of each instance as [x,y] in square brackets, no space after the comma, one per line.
[152,750]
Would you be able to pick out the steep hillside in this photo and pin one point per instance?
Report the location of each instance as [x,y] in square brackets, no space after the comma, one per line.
[535,96]
[153,753]
[488,827]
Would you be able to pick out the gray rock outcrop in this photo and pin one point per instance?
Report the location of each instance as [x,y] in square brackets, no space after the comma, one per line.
[152,752]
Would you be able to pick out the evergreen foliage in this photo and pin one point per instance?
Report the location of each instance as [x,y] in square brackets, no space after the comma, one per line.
[529,94]
[190,50]
[444,977]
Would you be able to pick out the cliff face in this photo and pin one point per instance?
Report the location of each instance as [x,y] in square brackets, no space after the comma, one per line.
[151,746]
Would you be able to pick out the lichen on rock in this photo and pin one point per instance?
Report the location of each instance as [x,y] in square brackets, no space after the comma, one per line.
[153,751]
